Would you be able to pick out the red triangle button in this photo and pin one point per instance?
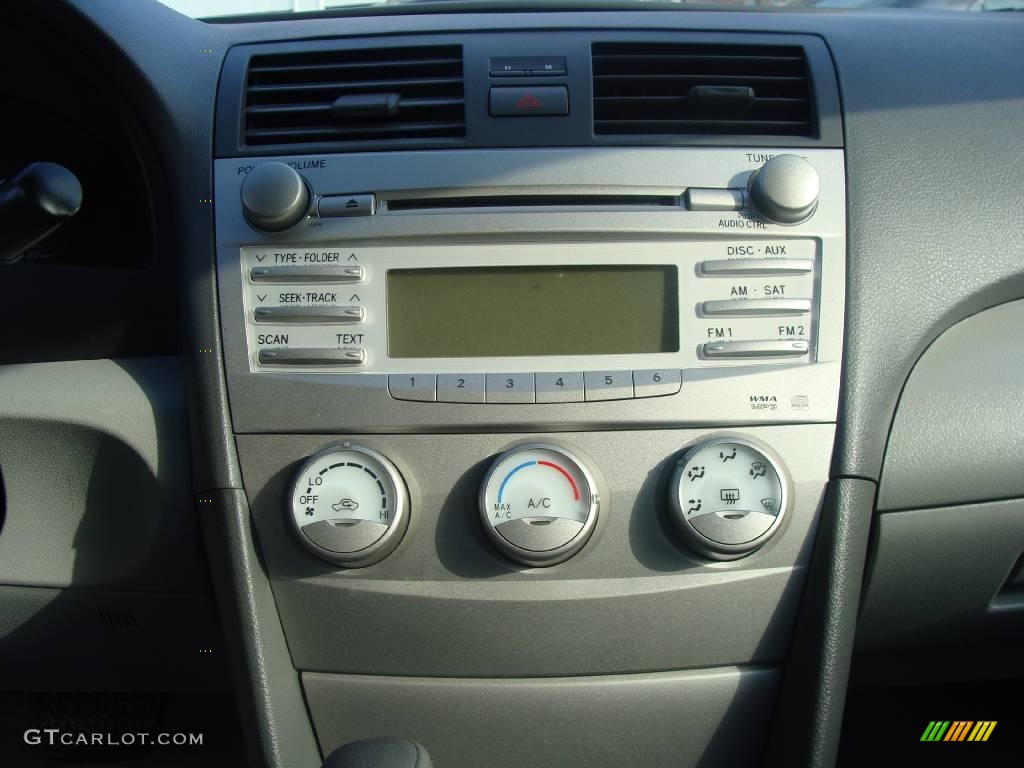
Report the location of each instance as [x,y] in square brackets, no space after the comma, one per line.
[528,101]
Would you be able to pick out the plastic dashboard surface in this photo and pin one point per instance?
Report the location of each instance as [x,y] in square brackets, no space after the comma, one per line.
[918,123]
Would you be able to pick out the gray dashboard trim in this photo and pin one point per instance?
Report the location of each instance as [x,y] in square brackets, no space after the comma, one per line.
[679,719]
[956,437]
[809,716]
[95,477]
[267,690]
[936,574]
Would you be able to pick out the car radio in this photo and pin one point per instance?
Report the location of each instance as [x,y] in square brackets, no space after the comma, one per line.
[468,311]
[536,278]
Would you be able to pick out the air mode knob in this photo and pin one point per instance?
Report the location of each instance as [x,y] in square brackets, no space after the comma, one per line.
[727,497]
[785,189]
[274,197]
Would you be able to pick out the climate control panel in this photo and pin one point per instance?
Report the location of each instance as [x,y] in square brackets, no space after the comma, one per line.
[538,503]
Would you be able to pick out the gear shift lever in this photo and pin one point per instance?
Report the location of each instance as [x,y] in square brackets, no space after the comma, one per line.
[33,203]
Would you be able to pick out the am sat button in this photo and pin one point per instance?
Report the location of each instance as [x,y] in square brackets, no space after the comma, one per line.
[526,101]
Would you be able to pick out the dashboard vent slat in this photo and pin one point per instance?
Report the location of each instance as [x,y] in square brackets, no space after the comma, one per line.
[290,97]
[651,89]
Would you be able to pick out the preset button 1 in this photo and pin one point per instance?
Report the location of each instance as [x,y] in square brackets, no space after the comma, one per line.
[421,387]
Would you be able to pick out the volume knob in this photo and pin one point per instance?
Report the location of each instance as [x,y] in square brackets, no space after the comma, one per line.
[274,197]
[785,189]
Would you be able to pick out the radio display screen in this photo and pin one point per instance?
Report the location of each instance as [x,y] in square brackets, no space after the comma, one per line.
[532,311]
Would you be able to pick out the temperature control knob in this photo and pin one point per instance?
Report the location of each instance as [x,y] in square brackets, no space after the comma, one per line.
[727,498]
[785,189]
[538,504]
[274,197]
[349,506]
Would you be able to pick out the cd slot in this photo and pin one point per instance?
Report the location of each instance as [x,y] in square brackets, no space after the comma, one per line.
[546,201]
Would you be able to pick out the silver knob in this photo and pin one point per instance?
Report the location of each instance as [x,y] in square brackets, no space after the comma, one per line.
[538,504]
[785,189]
[727,498]
[274,197]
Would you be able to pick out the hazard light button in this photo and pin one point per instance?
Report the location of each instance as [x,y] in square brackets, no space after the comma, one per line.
[524,101]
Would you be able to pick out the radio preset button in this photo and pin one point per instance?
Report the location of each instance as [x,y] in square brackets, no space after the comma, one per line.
[421,387]
[461,388]
[312,357]
[510,388]
[309,314]
[739,267]
[657,382]
[559,387]
[306,274]
[608,385]
[756,307]
[771,348]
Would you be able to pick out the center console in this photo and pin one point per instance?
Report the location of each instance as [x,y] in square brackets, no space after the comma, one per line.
[535,440]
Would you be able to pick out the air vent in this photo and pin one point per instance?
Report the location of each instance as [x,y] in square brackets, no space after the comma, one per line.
[668,88]
[349,97]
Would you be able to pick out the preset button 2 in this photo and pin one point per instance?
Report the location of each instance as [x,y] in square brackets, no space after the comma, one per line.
[461,388]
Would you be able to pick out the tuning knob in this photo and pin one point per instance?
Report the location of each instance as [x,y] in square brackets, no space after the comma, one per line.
[785,189]
[274,197]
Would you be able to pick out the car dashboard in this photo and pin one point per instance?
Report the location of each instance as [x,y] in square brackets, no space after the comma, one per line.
[599,386]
